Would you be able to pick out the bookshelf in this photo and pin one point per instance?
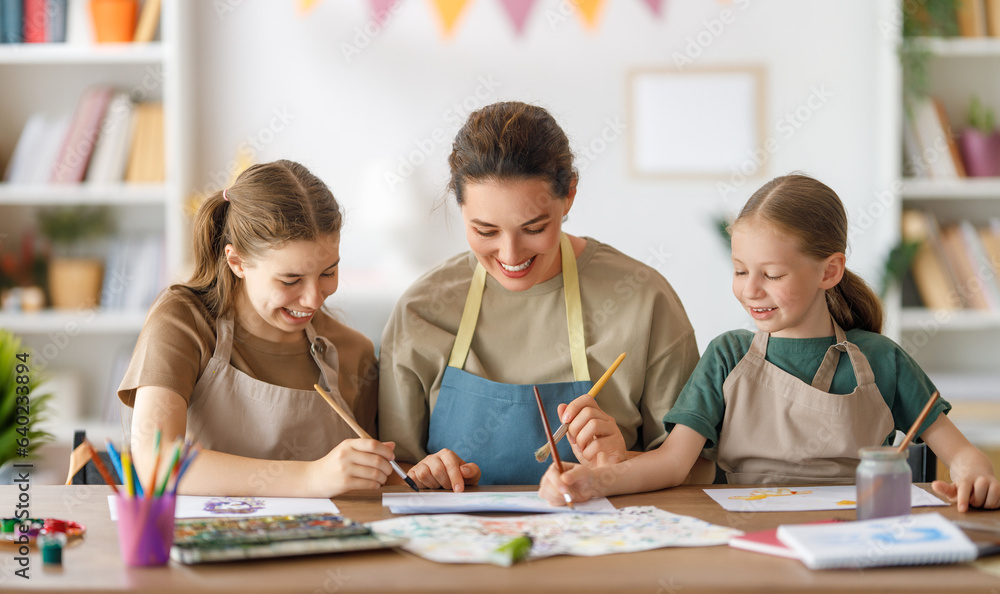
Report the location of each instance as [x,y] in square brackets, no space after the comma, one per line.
[958,348]
[82,350]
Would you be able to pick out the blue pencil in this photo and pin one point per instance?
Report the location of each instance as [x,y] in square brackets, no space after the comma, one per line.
[184,466]
[116,459]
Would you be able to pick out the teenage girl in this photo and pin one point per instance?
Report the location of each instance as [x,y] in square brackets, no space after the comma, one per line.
[230,358]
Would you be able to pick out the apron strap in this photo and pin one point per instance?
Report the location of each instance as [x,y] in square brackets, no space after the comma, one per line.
[574,314]
[828,368]
[759,344]
[470,315]
[224,338]
[574,311]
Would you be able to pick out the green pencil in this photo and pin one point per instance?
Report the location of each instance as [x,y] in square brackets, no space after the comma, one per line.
[511,552]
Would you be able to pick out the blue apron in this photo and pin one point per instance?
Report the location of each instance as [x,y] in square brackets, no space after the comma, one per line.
[497,425]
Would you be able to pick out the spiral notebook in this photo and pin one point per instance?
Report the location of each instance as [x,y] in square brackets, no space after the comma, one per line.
[921,539]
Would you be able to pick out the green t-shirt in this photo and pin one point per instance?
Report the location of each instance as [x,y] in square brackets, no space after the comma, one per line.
[903,385]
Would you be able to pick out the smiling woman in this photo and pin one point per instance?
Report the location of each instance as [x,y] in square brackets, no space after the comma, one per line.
[230,358]
[540,307]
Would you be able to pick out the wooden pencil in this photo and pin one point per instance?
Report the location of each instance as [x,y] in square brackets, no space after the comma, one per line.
[101,468]
[552,443]
[916,424]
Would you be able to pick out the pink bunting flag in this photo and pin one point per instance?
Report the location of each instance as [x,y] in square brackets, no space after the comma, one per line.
[656,6]
[381,9]
[518,11]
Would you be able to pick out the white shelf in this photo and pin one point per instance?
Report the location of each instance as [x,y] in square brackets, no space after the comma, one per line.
[919,319]
[71,53]
[954,189]
[961,47]
[152,194]
[75,322]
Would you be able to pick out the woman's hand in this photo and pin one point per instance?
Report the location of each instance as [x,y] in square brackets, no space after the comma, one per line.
[445,470]
[592,431]
[354,465]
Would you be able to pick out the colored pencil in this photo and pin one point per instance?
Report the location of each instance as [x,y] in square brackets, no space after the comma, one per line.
[157,454]
[116,459]
[128,471]
[916,424]
[101,468]
[543,452]
[171,468]
[552,443]
[361,432]
[193,452]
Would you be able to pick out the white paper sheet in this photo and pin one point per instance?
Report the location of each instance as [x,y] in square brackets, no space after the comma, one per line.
[191,506]
[510,501]
[765,499]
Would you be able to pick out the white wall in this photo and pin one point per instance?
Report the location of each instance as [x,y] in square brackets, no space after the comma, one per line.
[353,118]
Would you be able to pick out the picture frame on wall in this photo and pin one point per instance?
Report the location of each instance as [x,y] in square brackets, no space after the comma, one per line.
[702,123]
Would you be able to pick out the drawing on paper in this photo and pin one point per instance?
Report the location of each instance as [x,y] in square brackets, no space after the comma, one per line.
[765,493]
[234,505]
[455,538]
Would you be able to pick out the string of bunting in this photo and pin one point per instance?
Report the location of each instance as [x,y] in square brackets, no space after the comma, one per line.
[450,11]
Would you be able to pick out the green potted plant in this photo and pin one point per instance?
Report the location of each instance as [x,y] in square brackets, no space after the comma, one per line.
[75,269]
[22,407]
[979,143]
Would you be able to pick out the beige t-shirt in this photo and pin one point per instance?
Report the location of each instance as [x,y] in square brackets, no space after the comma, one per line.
[522,338]
[178,339]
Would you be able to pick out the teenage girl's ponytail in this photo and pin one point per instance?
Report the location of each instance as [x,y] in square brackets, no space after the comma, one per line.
[809,210]
[210,268]
[853,304]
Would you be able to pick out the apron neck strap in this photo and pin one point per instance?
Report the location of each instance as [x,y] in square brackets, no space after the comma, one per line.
[318,346]
[862,370]
[574,314]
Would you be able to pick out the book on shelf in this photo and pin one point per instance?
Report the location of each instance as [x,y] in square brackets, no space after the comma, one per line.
[931,273]
[134,272]
[993,18]
[111,151]
[958,259]
[971,18]
[145,163]
[149,18]
[11,21]
[77,148]
[919,539]
[928,140]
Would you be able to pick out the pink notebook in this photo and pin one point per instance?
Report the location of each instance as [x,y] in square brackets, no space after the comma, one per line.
[766,541]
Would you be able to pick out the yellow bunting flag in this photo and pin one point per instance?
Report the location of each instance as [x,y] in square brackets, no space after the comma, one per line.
[449,11]
[306,6]
[589,10]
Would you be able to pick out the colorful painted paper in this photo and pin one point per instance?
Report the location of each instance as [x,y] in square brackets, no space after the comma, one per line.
[827,497]
[190,506]
[455,538]
[525,502]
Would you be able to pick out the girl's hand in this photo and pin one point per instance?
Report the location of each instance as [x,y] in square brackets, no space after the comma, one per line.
[577,480]
[354,465]
[980,491]
[445,470]
[591,430]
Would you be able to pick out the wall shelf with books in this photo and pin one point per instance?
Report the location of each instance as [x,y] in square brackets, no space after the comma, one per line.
[914,319]
[126,125]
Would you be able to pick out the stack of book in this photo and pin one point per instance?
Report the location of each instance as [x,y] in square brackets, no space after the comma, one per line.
[929,146]
[107,139]
[978,18]
[957,265]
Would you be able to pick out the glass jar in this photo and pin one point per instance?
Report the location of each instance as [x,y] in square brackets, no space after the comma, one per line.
[883,483]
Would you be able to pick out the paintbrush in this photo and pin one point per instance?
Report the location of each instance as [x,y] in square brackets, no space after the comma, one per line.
[552,443]
[916,424]
[362,433]
[543,452]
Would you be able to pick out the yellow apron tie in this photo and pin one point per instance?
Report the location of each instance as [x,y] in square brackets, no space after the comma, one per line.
[574,314]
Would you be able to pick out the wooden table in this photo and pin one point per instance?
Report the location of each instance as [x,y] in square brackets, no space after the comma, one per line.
[95,564]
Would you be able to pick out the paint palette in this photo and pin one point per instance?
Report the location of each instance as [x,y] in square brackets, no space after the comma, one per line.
[12,534]
[204,540]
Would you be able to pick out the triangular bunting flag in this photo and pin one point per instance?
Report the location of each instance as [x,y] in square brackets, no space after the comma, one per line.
[449,11]
[381,9]
[656,6]
[589,10]
[306,6]
[518,11]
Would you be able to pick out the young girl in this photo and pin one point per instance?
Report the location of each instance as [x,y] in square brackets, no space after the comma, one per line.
[784,405]
[230,359]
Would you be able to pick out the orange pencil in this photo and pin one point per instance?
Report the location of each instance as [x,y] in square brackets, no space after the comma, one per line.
[552,442]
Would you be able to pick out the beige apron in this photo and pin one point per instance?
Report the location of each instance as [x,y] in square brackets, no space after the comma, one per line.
[234,413]
[777,429]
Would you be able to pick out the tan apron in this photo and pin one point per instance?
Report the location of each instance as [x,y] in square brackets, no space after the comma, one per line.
[234,413]
[777,429]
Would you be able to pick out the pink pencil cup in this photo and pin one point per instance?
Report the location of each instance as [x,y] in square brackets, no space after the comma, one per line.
[145,530]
